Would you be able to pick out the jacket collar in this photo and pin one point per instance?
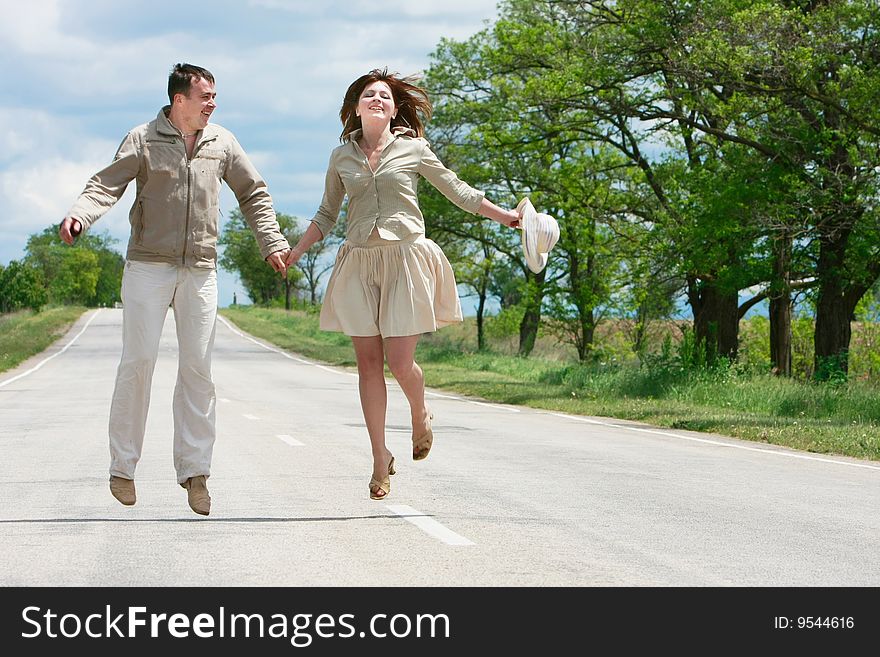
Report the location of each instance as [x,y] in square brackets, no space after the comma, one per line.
[165,127]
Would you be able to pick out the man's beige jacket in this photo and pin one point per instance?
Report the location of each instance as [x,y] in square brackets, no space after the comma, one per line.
[176,212]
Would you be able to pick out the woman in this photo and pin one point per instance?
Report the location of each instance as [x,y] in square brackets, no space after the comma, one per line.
[389,283]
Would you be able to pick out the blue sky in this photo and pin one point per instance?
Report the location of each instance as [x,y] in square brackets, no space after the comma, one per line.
[78,74]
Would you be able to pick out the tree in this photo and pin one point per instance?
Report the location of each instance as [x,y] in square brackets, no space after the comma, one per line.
[602,67]
[21,286]
[470,248]
[108,288]
[77,276]
[241,255]
[737,94]
[483,126]
[473,263]
[460,134]
[315,263]
[46,251]
[812,68]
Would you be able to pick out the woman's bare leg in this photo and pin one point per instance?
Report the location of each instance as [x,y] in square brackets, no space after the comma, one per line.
[400,353]
[370,355]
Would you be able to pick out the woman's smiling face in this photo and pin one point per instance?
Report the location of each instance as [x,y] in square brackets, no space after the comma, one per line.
[376,102]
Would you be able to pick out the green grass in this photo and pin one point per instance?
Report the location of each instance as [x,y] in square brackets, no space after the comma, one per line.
[830,419]
[295,331]
[25,333]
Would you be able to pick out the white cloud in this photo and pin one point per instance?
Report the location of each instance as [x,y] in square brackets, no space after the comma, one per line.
[32,27]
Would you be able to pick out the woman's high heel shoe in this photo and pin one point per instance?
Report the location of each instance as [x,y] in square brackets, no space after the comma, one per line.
[376,486]
[384,485]
[422,444]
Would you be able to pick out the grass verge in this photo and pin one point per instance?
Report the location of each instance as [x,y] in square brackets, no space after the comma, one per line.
[24,334]
[828,419]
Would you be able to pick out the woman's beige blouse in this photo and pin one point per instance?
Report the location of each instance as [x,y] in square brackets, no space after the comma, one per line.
[387,198]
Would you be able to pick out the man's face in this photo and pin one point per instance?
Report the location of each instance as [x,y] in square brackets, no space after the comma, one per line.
[196,108]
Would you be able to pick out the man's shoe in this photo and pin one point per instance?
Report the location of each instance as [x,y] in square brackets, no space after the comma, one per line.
[197,494]
[123,490]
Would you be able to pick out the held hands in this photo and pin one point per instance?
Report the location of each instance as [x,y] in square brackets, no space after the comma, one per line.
[69,230]
[281,261]
[277,261]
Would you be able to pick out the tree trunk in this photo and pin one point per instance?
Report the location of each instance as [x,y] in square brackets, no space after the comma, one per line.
[716,319]
[528,327]
[836,302]
[780,334]
[833,332]
[780,307]
[588,333]
[528,330]
[481,309]
[833,314]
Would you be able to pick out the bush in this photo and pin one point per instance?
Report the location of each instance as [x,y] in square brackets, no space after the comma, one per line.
[505,324]
[22,286]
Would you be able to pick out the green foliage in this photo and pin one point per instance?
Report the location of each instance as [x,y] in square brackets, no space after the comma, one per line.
[108,287]
[26,333]
[241,255]
[89,273]
[736,135]
[505,323]
[22,286]
[754,338]
[76,278]
[865,353]
[485,126]
[802,350]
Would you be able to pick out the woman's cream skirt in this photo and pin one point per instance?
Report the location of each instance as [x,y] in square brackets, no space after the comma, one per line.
[390,288]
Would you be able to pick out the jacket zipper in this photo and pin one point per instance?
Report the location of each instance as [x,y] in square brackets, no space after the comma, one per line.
[188,204]
[188,200]
[189,194]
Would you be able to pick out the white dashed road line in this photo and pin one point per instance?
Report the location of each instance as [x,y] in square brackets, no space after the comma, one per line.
[290,440]
[428,525]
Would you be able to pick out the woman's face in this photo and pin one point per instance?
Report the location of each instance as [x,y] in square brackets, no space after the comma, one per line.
[376,103]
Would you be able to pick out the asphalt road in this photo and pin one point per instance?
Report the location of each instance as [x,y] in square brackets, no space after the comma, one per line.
[509,496]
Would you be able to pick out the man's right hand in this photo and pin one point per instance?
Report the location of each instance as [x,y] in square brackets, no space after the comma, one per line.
[70,229]
[276,261]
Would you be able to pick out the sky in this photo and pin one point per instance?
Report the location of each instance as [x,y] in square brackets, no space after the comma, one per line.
[79,74]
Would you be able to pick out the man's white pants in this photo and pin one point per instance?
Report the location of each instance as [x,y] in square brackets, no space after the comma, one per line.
[148,288]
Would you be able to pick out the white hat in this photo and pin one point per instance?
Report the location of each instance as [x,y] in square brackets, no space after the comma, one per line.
[540,232]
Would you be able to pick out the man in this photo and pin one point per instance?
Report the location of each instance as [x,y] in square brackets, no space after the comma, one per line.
[178,161]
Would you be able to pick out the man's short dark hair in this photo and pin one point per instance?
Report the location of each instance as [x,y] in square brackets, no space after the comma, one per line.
[182,76]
